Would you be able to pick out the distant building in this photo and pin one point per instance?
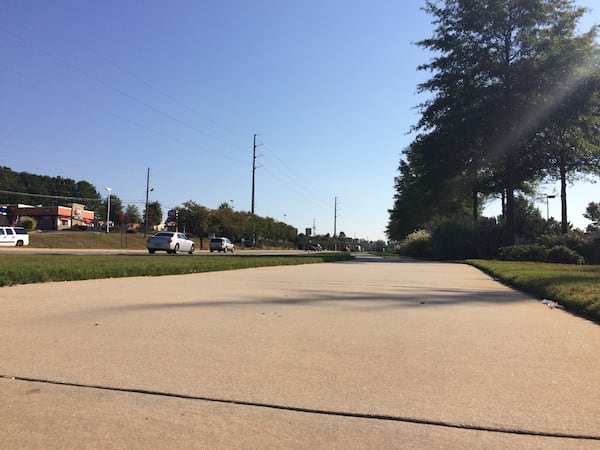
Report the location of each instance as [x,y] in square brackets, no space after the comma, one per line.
[49,217]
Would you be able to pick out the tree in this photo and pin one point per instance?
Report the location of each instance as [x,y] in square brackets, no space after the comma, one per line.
[571,135]
[31,189]
[195,218]
[592,212]
[89,195]
[132,214]
[493,87]
[117,215]
[153,214]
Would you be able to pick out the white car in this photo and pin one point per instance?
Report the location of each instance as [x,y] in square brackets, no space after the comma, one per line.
[221,244]
[170,242]
[13,237]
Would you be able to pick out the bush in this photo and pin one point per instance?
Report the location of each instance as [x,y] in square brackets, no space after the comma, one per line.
[540,253]
[524,252]
[454,239]
[29,223]
[564,255]
[416,245]
[575,240]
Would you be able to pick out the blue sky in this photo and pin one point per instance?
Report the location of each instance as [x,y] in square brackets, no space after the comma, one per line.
[100,91]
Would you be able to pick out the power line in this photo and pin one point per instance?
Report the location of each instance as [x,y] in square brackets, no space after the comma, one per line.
[295,176]
[70,197]
[145,127]
[120,91]
[51,196]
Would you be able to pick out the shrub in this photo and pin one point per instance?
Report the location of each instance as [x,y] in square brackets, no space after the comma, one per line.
[453,239]
[29,223]
[462,238]
[524,252]
[417,245]
[564,255]
[540,253]
[575,240]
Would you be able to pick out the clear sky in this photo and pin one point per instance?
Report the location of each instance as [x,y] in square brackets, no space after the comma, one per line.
[101,91]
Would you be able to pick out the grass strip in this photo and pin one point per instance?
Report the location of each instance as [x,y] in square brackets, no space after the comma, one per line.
[577,288]
[25,269]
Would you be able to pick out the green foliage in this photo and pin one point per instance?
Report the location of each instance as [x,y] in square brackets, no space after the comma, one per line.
[29,223]
[194,218]
[30,189]
[564,255]
[457,239]
[540,253]
[529,223]
[154,214]
[523,252]
[513,98]
[132,214]
[417,245]
[453,239]
[592,212]
[576,241]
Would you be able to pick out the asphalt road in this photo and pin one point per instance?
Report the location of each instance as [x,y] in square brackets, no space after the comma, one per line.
[362,354]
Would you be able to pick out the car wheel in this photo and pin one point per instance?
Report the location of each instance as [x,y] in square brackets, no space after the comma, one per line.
[176,248]
[191,249]
[19,243]
[151,250]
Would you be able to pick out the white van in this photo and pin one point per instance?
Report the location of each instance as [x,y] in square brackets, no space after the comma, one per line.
[13,237]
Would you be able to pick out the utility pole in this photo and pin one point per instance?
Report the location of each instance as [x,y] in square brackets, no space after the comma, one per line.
[335,225]
[253,172]
[146,210]
[253,183]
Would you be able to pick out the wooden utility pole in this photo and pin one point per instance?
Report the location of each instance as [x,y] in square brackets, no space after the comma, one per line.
[253,172]
[335,225]
[146,211]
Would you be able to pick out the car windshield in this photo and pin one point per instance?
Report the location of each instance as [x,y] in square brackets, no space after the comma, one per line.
[164,234]
[217,240]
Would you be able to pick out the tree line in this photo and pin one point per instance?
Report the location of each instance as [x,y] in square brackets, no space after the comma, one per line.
[513,101]
[191,217]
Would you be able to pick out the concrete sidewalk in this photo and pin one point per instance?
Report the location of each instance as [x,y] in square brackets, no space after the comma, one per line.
[365,354]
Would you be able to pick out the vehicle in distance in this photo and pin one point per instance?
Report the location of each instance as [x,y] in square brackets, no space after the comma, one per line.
[221,244]
[13,237]
[170,242]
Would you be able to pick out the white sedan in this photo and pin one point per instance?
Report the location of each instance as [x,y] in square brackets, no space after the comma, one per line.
[170,242]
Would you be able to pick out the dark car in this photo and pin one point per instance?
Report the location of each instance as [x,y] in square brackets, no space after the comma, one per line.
[221,244]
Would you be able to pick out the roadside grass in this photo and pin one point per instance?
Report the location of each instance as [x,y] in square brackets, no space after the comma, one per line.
[87,240]
[24,269]
[577,288]
[99,240]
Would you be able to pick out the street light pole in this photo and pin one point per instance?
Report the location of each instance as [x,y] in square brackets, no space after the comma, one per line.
[108,210]
[548,197]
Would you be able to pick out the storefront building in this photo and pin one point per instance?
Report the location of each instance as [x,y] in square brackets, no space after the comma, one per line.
[48,217]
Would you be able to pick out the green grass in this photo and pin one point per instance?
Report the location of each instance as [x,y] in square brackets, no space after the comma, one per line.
[87,240]
[577,288]
[23,269]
